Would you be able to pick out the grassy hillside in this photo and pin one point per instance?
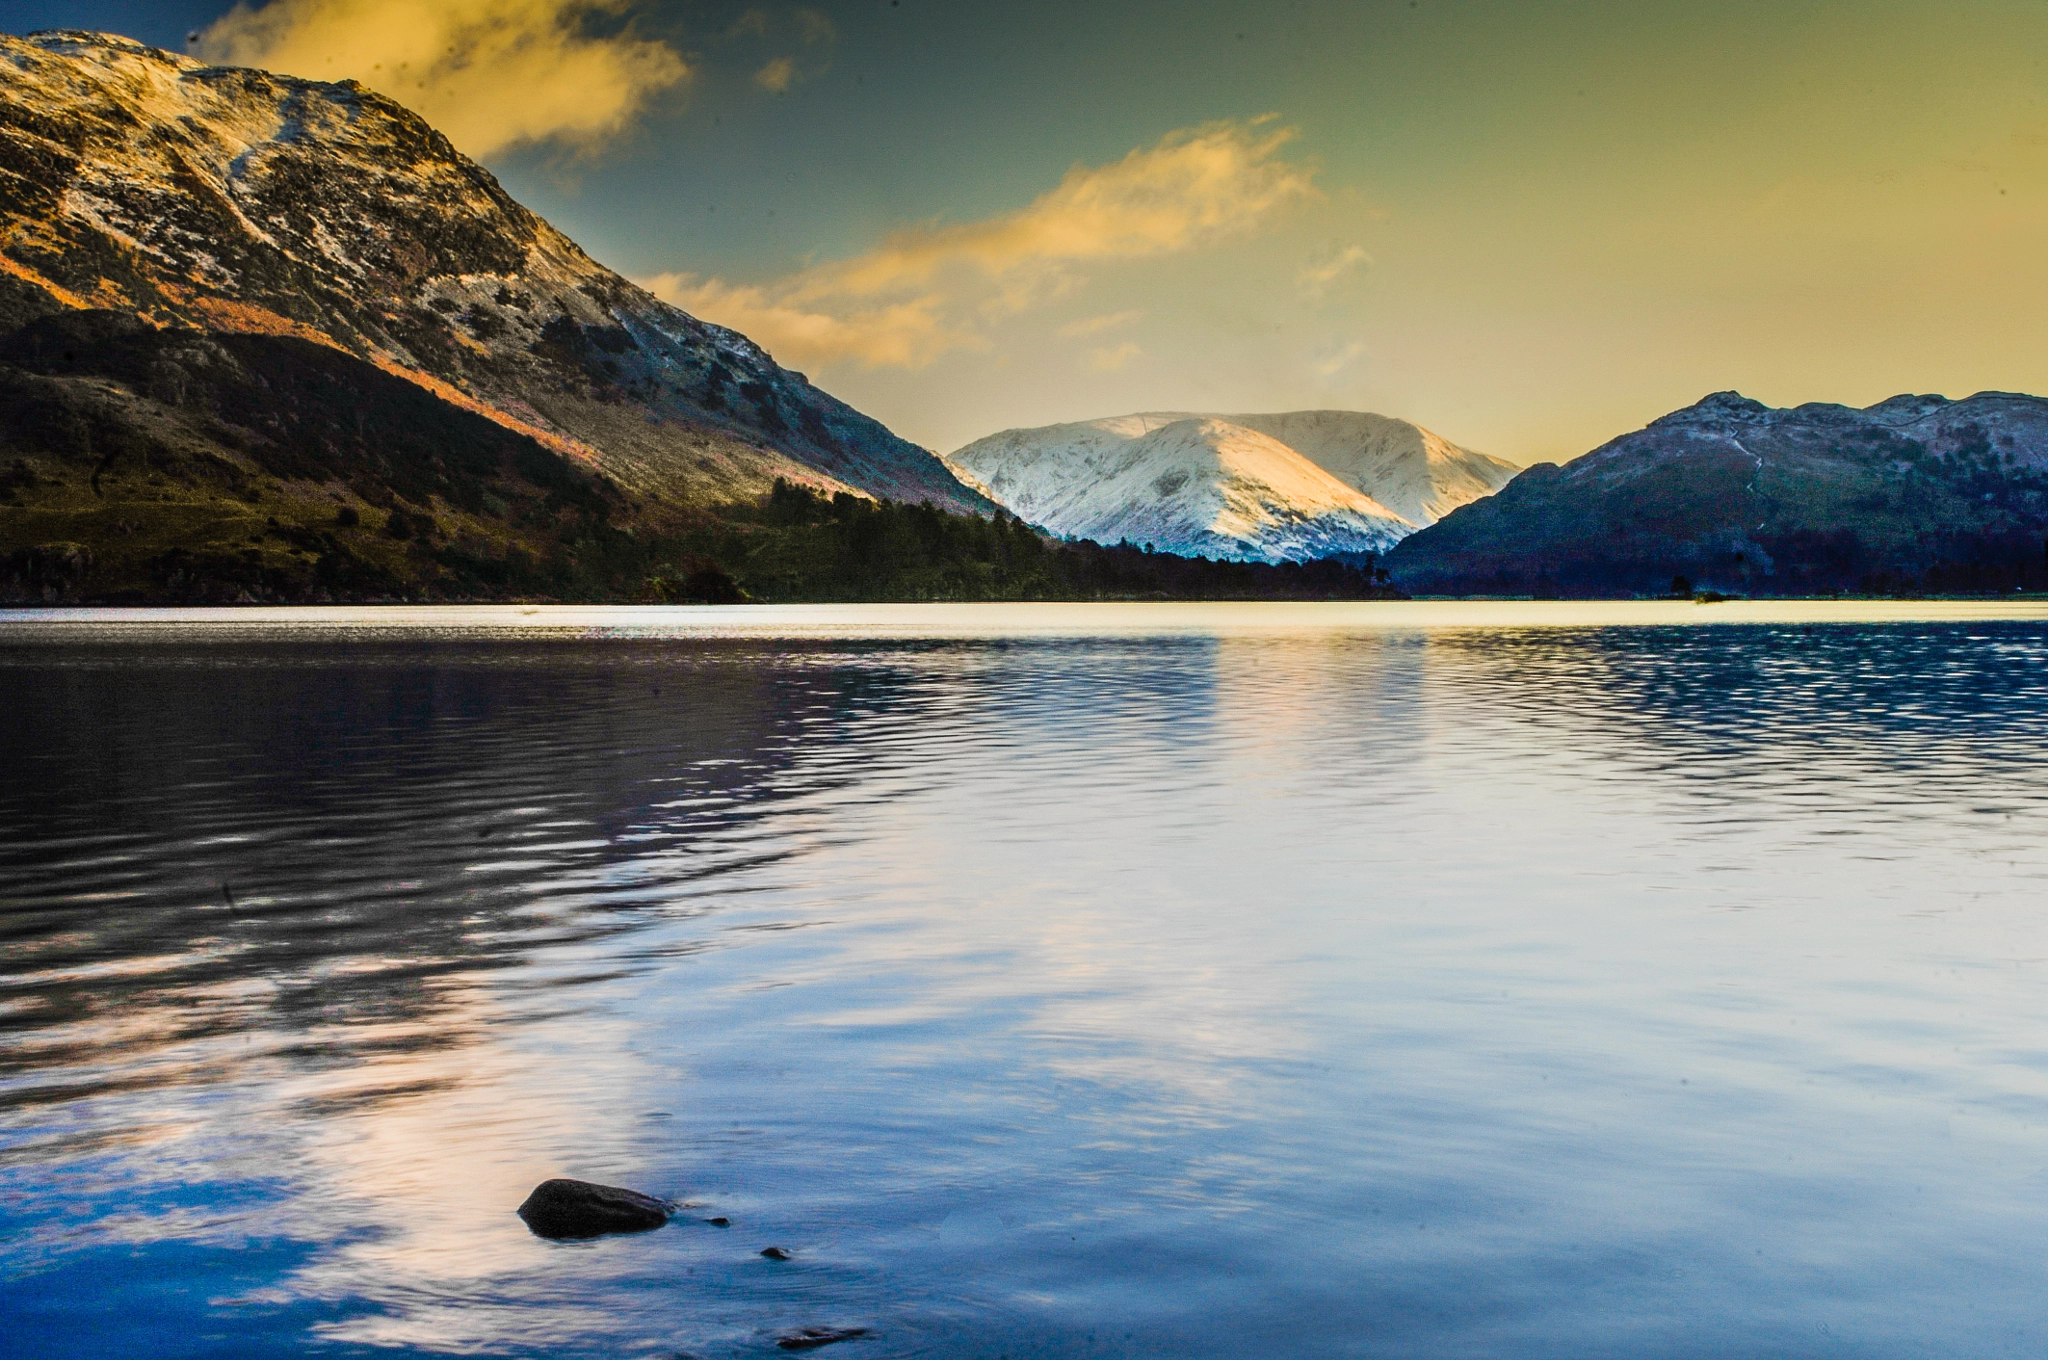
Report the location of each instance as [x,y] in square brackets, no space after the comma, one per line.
[140,465]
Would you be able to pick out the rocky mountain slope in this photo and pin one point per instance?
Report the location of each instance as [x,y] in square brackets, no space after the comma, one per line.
[1916,492]
[1285,487]
[234,201]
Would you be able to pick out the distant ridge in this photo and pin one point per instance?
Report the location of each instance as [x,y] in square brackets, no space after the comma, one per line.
[1291,486]
[1912,493]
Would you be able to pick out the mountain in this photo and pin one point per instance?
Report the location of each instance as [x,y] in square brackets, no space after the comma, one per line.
[1271,488]
[1917,492]
[237,201]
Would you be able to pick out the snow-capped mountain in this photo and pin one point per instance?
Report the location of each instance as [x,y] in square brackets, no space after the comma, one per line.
[226,200]
[1416,473]
[1283,487]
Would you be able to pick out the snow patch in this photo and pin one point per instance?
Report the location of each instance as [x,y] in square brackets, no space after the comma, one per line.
[1290,486]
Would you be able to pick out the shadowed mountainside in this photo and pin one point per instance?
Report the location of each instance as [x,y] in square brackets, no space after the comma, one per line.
[182,464]
[1915,493]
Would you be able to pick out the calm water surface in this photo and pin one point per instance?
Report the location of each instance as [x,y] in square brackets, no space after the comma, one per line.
[1510,980]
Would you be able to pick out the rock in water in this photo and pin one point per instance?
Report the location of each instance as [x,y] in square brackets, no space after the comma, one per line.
[566,1209]
[818,1336]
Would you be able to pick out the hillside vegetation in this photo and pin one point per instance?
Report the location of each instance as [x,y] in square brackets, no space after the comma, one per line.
[147,465]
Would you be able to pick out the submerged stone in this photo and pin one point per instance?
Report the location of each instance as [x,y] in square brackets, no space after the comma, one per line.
[775,1253]
[566,1209]
[818,1336]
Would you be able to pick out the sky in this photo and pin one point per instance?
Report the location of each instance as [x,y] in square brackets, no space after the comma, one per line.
[1529,226]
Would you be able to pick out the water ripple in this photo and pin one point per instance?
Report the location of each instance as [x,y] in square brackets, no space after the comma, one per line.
[1547,981]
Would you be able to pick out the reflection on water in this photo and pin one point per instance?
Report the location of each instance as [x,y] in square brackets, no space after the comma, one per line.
[1142,981]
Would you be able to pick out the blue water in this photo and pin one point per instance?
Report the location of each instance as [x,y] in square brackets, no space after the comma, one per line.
[1518,981]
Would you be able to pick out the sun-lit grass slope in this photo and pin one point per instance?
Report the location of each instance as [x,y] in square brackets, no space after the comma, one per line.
[1914,493]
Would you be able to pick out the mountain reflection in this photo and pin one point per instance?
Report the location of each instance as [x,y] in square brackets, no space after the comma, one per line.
[1902,723]
[331,850]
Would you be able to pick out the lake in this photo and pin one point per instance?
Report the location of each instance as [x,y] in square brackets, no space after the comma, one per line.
[1406,980]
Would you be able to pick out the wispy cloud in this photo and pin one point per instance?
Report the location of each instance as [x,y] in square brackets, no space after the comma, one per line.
[488,73]
[930,289]
[908,334]
[1096,325]
[1318,277]
[1335,362]
[814,26]
[813,29]
[1109,360]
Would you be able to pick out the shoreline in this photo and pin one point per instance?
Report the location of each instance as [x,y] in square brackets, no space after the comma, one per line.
[986,620]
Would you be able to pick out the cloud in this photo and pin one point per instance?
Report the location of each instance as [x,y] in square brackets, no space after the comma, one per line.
[488,73]
[934,288]
[814,26]
[1110,360]
[1194,188]
[907,334]
[1318,277]
[781,74]
[1096,325]
[1336,362]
